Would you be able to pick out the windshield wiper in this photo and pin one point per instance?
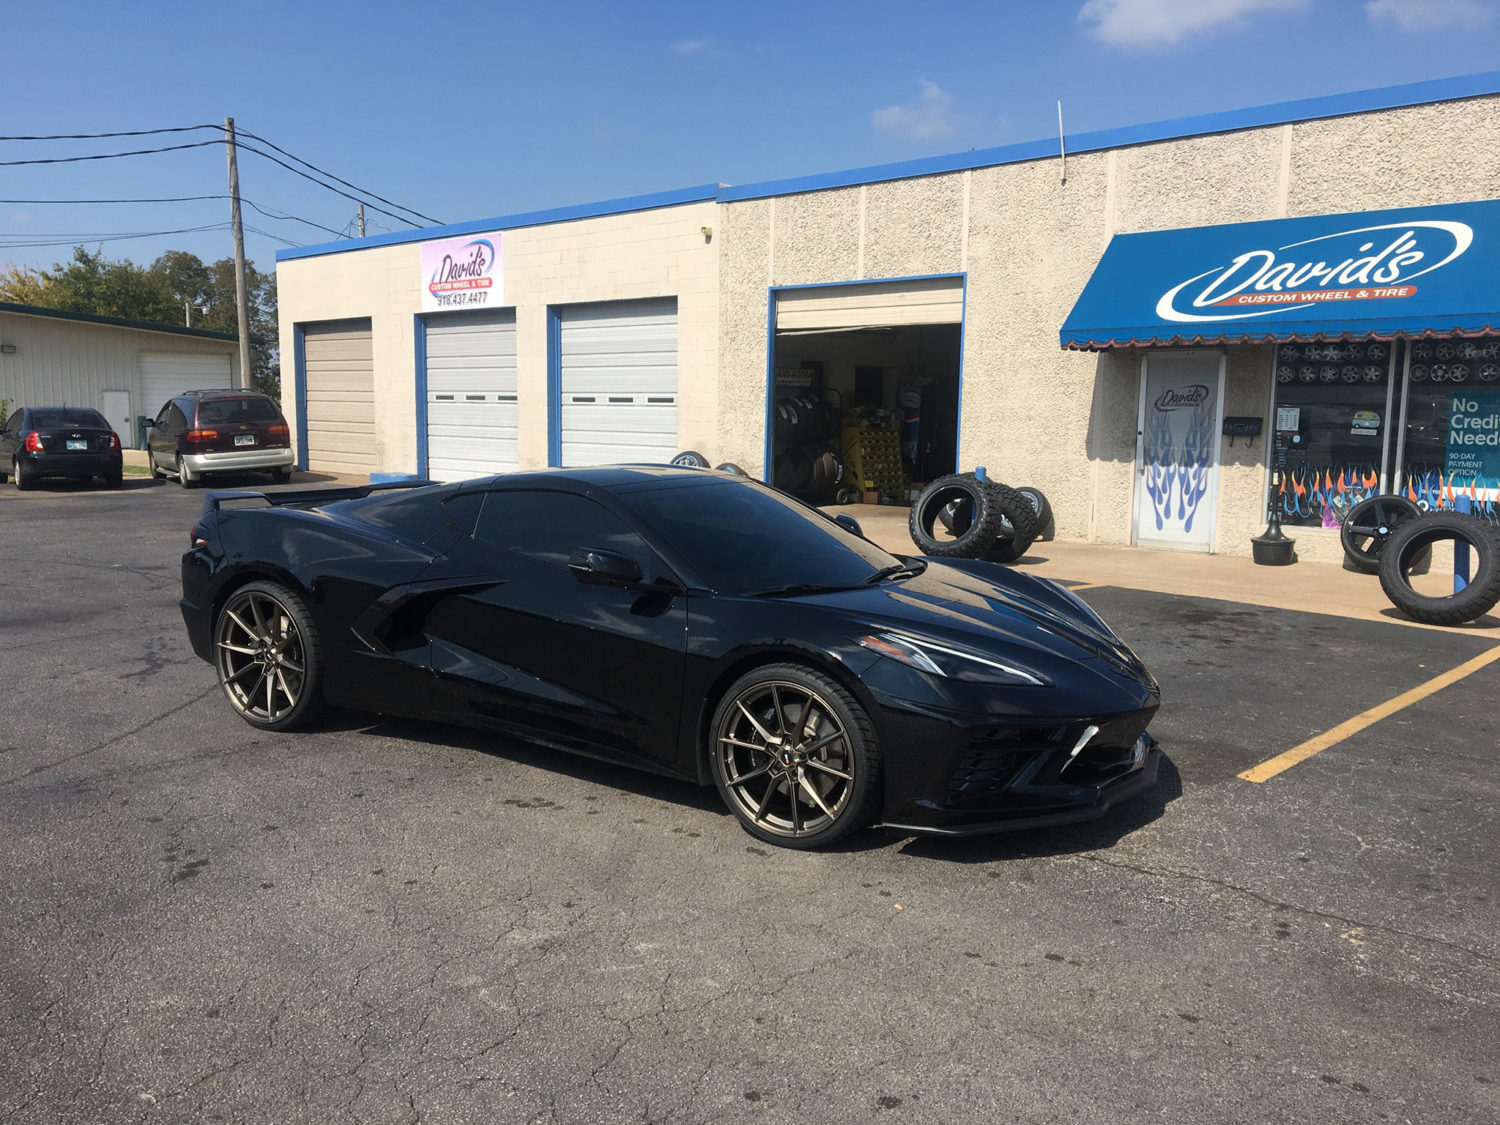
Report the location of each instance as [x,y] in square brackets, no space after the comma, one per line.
[908,569]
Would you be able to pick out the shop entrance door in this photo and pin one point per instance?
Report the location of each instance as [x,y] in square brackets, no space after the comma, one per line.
[1177,449]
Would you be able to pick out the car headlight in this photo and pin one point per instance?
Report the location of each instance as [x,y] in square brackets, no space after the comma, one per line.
[947,660]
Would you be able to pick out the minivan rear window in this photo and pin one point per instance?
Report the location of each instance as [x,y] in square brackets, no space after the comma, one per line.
[248,409]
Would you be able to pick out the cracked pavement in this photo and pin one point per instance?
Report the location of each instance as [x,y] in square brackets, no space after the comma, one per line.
[388,921]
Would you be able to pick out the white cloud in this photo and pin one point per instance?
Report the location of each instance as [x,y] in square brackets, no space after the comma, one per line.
[693,47]
[1163,23]
[1430,15]
[925,119]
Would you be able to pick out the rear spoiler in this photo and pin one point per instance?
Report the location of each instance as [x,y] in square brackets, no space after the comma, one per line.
[309,497]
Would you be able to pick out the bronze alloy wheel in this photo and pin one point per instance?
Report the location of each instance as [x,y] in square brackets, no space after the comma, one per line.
[794,757]
[266,656]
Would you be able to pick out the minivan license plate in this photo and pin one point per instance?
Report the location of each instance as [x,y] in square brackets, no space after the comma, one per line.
[244,439]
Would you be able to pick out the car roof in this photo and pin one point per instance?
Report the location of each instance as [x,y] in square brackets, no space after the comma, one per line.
[613,478]
[223,392]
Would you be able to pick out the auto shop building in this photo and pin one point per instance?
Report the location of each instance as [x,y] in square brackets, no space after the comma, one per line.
[1122,325]
[125,369]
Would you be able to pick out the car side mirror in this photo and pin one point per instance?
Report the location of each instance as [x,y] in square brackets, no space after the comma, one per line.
[604,568]
[849,523]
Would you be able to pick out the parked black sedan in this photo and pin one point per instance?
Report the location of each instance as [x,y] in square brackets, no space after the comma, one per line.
[59,441]
[686,621]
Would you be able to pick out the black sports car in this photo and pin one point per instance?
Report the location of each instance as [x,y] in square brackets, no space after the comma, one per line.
[686,621]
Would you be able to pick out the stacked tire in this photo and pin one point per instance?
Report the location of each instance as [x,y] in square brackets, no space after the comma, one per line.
[962,517]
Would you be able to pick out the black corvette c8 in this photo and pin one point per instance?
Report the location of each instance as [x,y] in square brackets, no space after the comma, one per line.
[686,621]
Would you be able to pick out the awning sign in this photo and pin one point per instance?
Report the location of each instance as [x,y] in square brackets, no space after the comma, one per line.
[462,273]
[1474,437]
[1374,273]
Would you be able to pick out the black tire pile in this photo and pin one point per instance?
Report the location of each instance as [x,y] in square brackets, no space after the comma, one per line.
[1410,545]
[979,519]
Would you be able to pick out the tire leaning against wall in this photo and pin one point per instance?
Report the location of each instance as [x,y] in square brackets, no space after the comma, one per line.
[1018,528]
[1413,539]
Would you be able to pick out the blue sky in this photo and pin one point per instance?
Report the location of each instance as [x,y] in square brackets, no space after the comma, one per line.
[469,110]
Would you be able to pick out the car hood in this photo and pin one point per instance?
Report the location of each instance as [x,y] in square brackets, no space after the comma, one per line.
[994,610]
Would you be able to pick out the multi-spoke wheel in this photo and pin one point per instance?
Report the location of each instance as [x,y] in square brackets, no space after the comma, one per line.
[266,653]
[794,756]
[1369,525]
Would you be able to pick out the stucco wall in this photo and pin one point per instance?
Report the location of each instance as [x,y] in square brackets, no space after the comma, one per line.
[75,362]
[657,253]
[1028,240]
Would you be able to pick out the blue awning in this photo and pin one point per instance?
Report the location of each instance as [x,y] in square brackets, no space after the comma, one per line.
[1367,275]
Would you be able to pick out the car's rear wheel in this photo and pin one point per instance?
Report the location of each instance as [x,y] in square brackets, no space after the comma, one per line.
[185,476]
[794,757]
[281,476]
[25,477]
[267,656]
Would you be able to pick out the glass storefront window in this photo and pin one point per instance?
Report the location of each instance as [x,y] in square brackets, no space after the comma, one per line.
[1341,394]
[1451,443]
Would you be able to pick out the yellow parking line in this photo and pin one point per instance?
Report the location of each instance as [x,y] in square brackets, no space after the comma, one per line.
[1282,762]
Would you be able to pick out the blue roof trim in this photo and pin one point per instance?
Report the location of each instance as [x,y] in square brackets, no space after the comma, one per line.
[1280,113]
[624,206]
[1374,274]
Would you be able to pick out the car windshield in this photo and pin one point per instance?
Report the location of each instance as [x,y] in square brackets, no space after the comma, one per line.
[744,538]
[256,409]
[67,416]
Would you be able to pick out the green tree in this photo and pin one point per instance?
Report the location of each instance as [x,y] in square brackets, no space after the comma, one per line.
[91,283]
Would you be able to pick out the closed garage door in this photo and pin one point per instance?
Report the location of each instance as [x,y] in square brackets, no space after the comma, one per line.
[618,366]
[340,401]
[165,374]
[471,394]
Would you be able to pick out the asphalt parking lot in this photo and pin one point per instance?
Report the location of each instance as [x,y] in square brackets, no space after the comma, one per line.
[385,921]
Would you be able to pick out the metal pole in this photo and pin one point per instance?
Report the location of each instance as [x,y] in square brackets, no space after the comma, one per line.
[361,220]
[241,298]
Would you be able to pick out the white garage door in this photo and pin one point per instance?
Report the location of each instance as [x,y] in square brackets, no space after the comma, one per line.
[340,401]
[471,394]
[619,382]
[165,374]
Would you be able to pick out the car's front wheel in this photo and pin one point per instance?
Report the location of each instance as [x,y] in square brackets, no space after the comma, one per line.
[267,655]
[794,756]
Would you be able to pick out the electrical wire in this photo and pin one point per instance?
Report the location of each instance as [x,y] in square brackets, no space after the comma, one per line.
[272,237]
[127,133]
[162,199]
[106,155]
[331,176]
[321,184]
[111,237]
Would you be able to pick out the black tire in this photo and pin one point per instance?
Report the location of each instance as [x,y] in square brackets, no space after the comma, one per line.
[281,475]
[25,478]
[185,475]
[982,529]
[1019,519]
[264,637]
[794,757]
[1413,539]
[956,516]
[690,459]
[1369,526]
[1038,501]
[732,469]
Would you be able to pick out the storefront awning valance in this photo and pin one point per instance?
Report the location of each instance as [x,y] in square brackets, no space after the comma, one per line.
[1372,274]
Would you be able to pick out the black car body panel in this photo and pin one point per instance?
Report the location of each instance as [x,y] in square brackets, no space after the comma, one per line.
[1037,713]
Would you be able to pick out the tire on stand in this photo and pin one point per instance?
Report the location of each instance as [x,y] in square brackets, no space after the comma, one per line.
[731,468]
[690,459]
[1369,526]
[1018,528]
[1038,500]
[977,536]
[1414,539]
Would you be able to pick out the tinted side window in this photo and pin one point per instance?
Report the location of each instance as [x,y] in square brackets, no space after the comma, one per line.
[176,418]
[549,526]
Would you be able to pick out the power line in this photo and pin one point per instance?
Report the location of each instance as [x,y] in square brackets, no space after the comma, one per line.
[331,176]
[161,199]
[106,155]
[272,237]
[128,133]
[110,237]
[321,184]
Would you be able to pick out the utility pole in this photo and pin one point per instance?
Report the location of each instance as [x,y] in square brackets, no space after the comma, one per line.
[361,220]
[241,298]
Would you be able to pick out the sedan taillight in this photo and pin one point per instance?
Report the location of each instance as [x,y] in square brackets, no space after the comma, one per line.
[114,441]
[33,442]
